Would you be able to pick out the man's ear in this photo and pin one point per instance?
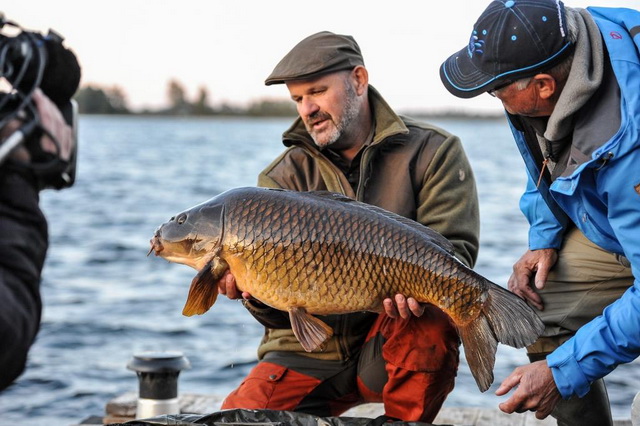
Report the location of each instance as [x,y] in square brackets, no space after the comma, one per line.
[547,85]
[361,77]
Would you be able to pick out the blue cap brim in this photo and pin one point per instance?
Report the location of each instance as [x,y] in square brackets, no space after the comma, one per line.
[464,80]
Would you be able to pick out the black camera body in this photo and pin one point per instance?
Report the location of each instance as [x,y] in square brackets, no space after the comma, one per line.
[50,171]
[28,61]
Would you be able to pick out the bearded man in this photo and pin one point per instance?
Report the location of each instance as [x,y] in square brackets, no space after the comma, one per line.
[347,139]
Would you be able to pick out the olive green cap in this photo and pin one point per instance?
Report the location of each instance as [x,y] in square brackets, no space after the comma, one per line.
[320,53]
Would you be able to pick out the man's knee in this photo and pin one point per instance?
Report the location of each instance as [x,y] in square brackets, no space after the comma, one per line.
[545,345]
[271,386]
[416,396]
[584,280]
[428,343]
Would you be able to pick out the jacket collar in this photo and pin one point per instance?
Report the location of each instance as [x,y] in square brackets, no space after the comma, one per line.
[587,114]
[387,123]
[593,126]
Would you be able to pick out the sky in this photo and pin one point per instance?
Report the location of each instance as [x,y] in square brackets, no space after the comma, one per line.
[230,46]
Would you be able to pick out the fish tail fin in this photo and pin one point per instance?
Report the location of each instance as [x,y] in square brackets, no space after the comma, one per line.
[202,294]
[514,322]
[505,318]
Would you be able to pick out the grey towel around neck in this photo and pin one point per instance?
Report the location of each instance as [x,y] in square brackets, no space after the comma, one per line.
[584,78]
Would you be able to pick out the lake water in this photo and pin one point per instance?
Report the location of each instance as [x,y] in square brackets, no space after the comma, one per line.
[106,300]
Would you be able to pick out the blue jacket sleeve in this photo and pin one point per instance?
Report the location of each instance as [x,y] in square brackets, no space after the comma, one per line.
[614,337]
[599,346]
[545,231]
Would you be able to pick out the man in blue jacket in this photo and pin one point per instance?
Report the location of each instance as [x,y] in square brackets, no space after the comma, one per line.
[569,80]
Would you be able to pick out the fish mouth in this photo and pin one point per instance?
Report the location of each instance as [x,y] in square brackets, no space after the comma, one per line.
[156,245]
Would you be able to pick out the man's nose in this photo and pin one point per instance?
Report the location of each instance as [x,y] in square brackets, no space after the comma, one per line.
[307,107]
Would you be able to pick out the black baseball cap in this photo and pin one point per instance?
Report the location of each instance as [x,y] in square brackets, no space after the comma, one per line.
[512,39]
[318,54]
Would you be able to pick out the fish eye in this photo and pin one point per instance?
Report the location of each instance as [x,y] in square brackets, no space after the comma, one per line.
[181,219]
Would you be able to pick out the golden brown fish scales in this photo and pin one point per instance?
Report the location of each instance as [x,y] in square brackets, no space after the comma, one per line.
[322,253]
[318,251]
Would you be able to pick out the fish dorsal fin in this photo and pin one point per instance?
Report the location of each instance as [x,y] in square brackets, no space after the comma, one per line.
[333,196]
[310,331]
[204,291]
[433,236]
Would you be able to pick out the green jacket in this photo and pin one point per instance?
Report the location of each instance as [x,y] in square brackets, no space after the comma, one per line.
[411,168]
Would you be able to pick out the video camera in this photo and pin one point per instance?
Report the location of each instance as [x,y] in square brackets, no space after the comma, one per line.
[29,60]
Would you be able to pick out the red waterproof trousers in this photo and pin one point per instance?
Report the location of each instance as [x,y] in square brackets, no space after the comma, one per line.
[409,365]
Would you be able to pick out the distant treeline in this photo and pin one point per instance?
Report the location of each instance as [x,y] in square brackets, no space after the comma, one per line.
[94,99]
[113,100]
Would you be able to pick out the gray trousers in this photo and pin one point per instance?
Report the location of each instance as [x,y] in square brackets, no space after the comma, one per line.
[584,281]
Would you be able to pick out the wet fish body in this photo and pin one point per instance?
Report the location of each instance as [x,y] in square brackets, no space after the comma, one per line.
[313,253]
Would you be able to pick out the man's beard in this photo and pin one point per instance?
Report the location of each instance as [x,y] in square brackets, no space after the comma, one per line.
[349,114]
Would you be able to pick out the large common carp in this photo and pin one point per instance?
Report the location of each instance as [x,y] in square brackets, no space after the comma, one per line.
[323,253]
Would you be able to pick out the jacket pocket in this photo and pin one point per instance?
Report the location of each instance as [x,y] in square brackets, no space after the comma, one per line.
[271,386]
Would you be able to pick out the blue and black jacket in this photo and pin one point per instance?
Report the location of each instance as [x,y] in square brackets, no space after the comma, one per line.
[599,192]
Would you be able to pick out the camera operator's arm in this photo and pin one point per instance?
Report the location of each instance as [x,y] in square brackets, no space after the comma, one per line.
[23,244]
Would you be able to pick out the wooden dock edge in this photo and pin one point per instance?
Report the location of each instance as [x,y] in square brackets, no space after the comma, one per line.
[123,408]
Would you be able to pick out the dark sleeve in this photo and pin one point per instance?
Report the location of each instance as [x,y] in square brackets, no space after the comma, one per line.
[23,246]
[448,200]
[267,316]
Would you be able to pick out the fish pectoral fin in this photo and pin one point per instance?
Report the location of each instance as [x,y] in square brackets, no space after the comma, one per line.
[204,291]
[310,331]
